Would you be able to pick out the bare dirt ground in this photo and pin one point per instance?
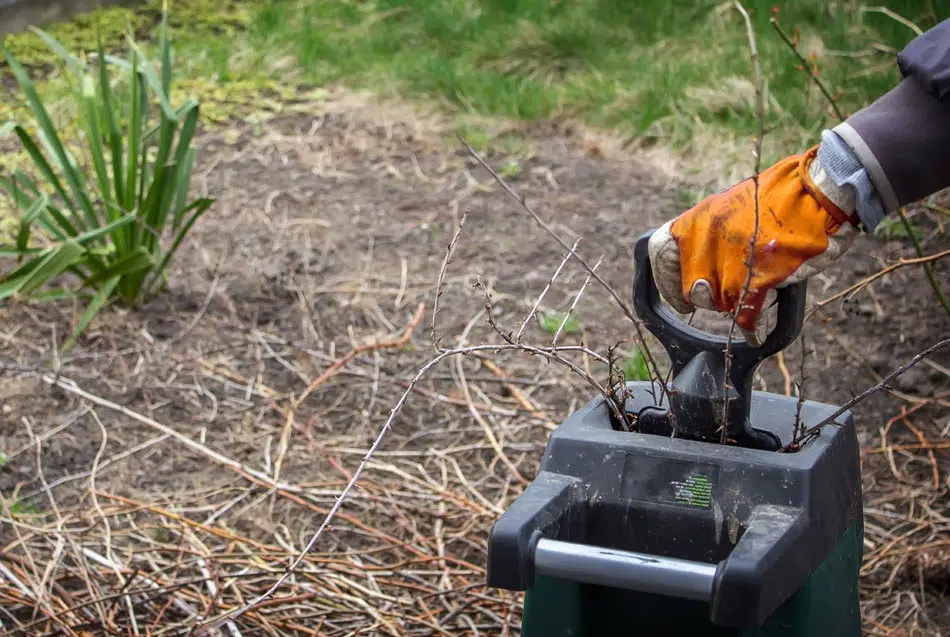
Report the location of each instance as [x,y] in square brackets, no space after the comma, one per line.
[166,474]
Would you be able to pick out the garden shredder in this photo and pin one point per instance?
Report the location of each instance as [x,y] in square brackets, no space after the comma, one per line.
[665,530]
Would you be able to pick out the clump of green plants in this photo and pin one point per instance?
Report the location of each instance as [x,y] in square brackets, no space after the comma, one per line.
[112,214]
[552,322]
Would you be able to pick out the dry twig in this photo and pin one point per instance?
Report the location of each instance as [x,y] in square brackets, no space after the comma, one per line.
[572,252]
[627,310]
[857,287]
[331,371]
[806,67]
[815,429]
[750,262]
[577,298]
[440,282]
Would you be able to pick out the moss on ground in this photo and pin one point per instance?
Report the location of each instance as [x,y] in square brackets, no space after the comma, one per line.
[195,19]
[210,65]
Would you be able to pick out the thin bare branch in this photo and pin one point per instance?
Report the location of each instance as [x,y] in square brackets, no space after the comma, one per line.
[924,263]
[750,262]
[627,310]
[813,431]
[440,283]
[577,298]
[806,67]
[799,426]
[544,292]
[894,16]
[877,275]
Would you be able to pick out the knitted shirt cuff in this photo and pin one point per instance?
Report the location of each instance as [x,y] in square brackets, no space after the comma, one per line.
[850,184]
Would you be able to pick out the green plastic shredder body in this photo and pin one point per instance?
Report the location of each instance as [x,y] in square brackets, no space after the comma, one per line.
[610,490]
[828,604]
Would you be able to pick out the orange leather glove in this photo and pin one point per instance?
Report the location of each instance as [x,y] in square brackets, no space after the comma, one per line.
[700,259]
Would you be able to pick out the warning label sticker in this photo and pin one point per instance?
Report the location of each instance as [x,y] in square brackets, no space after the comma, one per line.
[694,491]
[669,481]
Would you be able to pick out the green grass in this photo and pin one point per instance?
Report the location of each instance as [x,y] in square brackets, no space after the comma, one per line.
[670,73]
[653,68]
[213,47]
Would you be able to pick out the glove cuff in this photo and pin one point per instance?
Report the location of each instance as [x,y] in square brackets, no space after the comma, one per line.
[835,211]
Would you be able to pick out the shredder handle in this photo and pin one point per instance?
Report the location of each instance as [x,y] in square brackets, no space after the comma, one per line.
[546,532]
[625,569]
[683,341]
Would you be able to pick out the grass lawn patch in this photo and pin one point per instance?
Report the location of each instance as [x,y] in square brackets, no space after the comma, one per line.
[662,72]
[657,72]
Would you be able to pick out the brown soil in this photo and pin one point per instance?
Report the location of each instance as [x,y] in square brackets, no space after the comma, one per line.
[329,231]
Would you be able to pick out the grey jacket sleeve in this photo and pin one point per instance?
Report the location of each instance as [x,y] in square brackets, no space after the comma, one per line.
[902,140]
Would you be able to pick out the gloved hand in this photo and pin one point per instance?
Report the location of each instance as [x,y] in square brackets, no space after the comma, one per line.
[806,222]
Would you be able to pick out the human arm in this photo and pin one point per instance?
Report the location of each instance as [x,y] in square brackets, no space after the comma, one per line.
[891,153]
[897,150]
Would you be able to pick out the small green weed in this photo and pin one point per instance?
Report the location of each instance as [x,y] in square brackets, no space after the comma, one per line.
[23,508]
[551,321]
[477,138]
[635,367]
[103,221]
[510,169]
[893,228]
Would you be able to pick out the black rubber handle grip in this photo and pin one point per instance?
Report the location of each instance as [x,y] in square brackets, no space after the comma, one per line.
[683,342]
